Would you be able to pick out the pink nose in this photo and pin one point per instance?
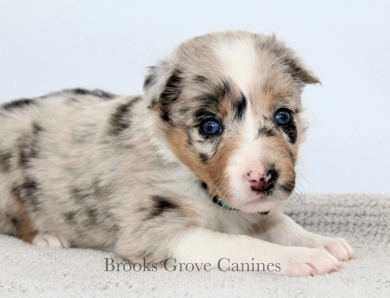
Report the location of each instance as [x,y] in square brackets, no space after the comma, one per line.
[261,180]
[257,177]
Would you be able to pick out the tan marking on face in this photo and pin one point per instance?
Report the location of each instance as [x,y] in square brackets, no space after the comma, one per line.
[225,108]
[212,172]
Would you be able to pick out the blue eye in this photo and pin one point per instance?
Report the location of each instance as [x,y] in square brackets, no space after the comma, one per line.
[211,127]
[282,117]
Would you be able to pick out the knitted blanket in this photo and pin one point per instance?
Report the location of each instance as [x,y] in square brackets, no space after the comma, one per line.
[364,220]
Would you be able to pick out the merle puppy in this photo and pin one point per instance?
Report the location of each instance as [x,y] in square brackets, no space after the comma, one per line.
[195,169]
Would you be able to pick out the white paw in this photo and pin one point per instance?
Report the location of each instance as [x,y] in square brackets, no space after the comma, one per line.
[303,261]
[338,247]
[50,240]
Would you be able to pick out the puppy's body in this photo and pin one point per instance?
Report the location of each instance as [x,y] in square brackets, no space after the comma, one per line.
[125,173]
[108,171]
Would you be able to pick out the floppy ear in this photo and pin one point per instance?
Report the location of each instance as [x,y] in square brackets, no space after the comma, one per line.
[162,81]
[294,65]
[299,71]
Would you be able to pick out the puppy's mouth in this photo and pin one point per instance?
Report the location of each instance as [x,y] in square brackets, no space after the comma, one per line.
[263,189]
[262,197]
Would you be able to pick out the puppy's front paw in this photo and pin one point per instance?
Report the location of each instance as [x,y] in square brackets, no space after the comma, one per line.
[338,247]
[50,240]
[302,261]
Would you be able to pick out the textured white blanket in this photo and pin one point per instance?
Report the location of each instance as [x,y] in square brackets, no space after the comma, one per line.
[364,220]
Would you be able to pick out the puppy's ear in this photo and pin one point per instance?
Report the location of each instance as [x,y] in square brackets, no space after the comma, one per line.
[294,65]
[162,81]
[299,71]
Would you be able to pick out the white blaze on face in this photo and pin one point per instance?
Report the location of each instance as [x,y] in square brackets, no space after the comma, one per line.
[238,58]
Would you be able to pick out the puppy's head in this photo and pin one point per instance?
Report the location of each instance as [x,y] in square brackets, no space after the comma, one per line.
[229,107]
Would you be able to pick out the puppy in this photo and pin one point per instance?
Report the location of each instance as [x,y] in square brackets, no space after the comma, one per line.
[196,169]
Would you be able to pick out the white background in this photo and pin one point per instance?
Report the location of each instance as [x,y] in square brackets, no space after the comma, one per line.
[51,45]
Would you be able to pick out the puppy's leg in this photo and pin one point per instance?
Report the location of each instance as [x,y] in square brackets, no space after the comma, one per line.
[24,230]
[281,229]
[199,245]
[23,227]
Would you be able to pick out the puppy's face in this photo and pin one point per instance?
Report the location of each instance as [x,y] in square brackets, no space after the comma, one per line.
[229,104]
